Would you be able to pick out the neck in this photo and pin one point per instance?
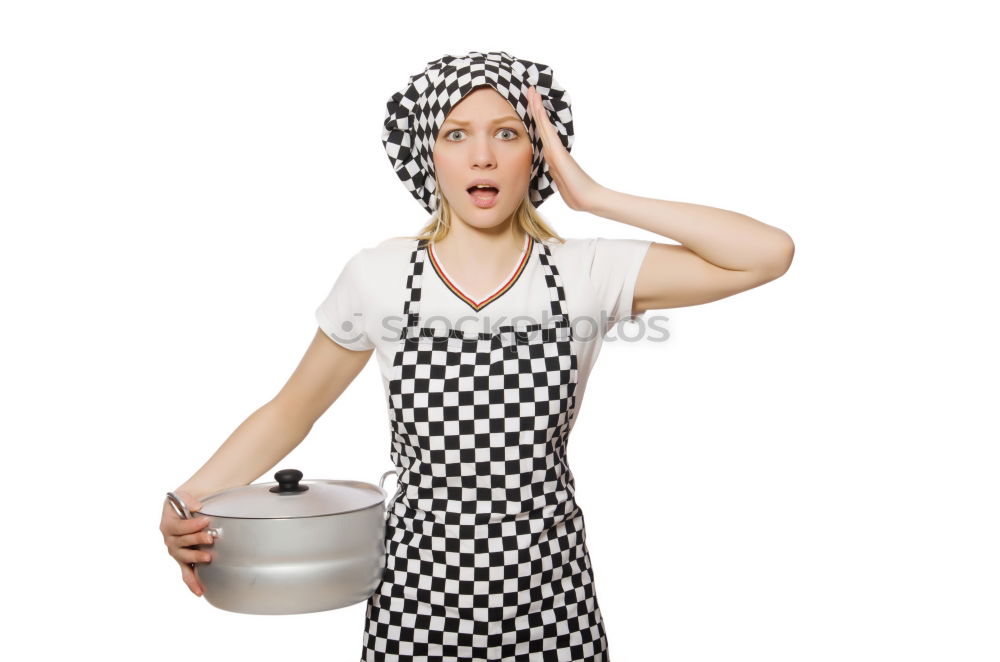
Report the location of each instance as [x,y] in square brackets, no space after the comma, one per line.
[489,247]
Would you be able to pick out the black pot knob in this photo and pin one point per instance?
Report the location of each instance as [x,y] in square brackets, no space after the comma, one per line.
[288,482]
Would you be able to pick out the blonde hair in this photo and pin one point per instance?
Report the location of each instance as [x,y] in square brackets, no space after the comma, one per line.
[525,216]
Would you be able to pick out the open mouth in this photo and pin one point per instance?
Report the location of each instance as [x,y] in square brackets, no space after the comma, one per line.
[483,196]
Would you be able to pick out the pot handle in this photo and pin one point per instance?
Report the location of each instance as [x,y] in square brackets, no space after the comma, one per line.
[394,472]
[183,512]
[179,506]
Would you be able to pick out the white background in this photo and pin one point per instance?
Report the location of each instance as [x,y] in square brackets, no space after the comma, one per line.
[805,471]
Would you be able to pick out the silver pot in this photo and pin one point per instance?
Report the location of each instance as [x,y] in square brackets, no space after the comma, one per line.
[293,546]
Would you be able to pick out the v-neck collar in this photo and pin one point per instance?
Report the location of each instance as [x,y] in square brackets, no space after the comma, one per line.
[497,292]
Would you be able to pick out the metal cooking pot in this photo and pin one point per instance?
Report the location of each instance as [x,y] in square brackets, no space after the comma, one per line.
[293,546]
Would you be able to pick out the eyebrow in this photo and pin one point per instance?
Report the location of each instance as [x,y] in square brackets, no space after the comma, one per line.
[508,118]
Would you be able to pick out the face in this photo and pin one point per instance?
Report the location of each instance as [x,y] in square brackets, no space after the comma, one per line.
[483,138]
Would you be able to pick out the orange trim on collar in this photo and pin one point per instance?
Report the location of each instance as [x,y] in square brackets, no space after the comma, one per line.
[477,306]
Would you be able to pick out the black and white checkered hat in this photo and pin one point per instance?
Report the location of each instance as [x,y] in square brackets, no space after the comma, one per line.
[414,115]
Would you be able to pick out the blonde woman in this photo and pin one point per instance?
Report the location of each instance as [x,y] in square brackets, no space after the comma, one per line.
[486,326]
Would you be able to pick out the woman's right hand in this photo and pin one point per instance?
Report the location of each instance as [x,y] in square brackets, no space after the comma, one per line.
[180,535]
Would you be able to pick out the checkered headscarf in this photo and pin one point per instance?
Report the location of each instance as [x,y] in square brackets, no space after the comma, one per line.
[414,115]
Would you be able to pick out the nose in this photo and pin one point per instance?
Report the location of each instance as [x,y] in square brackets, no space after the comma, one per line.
[482,154]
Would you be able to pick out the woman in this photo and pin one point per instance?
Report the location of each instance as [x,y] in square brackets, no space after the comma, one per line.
[497,324]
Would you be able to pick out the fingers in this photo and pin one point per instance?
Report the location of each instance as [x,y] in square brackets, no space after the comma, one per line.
[183,527]
[203,537]
[187,556]
[536,110]
[186,532]
[549,135]
[183,535]
[539,107]
[191,580]
[183,538]
[183,549]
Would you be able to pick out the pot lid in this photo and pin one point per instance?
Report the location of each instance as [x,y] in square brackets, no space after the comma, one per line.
[290,496]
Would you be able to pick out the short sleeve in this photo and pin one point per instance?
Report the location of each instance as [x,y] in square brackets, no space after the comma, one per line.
[341,316]
[614,270]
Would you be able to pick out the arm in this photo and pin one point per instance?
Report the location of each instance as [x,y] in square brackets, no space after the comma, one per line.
[722,252]
[274,430]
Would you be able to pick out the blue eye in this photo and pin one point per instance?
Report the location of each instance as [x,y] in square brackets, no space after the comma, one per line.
[513,133]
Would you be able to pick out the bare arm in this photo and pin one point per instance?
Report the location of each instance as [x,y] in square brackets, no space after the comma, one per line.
[722,252]
[274,430]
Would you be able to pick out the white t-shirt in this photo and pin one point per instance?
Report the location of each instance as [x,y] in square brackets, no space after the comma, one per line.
[364,309]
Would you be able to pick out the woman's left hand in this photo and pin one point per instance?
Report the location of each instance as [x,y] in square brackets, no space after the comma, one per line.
[574,185]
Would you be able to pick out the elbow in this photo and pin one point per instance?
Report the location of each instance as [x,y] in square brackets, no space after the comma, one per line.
[779,258]
[784,254]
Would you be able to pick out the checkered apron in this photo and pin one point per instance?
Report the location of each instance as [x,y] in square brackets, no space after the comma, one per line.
[486,555]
